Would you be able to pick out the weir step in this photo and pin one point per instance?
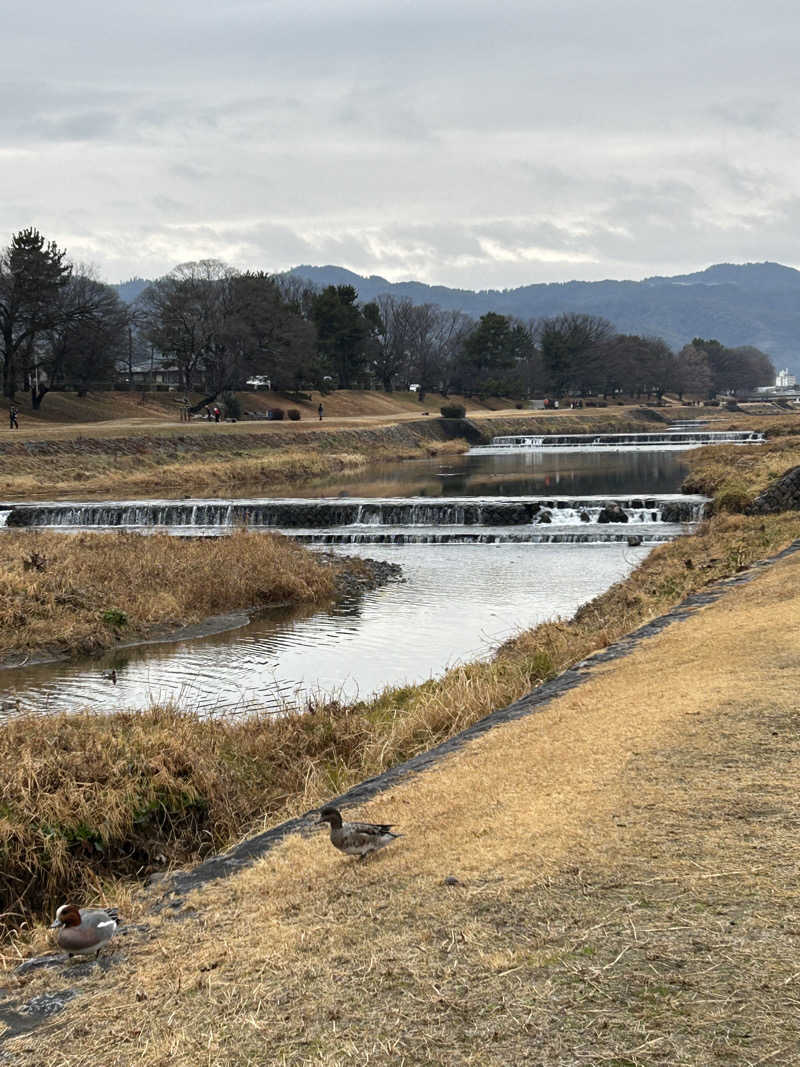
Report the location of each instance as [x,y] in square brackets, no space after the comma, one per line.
[663,439]
[415,512]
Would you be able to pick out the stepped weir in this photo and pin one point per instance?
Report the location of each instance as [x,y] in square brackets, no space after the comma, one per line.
[664,439]
[432,520]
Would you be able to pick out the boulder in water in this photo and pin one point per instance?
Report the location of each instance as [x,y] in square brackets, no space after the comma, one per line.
[612,513]
[634,540]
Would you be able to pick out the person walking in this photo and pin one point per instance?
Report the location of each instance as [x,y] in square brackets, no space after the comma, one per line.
[217,414]
[13,423]
[320,412]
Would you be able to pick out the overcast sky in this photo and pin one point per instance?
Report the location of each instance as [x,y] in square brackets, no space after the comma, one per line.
[475,144]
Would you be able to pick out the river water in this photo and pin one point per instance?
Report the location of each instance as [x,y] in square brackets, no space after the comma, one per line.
[457,601]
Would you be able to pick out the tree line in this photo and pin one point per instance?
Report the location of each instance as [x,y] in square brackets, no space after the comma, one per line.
[217,327]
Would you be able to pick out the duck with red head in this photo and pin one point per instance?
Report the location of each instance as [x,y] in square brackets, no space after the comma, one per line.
[84,930]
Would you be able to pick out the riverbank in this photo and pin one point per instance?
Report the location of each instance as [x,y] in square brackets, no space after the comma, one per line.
[206,459]
[162,788]
[733,477]
[62,595]
[610,880]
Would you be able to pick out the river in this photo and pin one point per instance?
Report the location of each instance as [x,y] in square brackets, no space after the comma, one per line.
[457,601]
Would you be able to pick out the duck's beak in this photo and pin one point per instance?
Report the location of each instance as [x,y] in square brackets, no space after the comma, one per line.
[55,925]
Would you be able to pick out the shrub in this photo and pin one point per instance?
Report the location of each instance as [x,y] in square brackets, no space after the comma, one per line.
[733,499]
[276,413]
[453,411]
[233,409]
[293,414]
[115,618]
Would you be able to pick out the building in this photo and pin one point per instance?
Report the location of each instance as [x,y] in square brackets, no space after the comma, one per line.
[785,380]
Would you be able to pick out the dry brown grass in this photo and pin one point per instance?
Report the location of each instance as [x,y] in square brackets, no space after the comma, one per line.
[734,475]
[96,589]
[218,472]
[117,406]
[174,460]
[627,866]
[106,474]
[179,786]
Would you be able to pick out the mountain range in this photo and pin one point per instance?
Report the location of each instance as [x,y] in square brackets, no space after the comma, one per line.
[738,304]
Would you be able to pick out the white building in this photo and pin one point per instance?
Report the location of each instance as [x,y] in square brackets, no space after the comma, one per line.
[785,380]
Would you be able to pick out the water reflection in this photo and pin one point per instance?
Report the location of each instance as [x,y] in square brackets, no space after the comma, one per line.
[457,603]
[516,474]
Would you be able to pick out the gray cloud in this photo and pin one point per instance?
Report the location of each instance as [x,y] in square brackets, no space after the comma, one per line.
[466,144]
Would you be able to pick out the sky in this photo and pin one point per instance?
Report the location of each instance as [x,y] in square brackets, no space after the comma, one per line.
[470,144]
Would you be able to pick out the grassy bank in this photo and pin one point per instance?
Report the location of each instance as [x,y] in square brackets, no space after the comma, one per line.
[209,459]
[142,789]
[62,594]
[612,881]
[734,475]
[89,797]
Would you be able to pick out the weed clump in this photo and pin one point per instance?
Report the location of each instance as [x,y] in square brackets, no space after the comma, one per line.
[162,581]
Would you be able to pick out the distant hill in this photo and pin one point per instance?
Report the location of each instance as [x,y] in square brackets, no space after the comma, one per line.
[129,290]
[738,304]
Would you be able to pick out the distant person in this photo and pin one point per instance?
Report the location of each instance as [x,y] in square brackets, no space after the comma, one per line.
[13,424]
[208,413]
[217,414]
[320,412]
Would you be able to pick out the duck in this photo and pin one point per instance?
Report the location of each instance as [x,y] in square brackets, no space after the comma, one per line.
[110,676]
[356,838]
[82,931]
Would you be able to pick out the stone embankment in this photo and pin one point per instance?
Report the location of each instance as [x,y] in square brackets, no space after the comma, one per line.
[782,495]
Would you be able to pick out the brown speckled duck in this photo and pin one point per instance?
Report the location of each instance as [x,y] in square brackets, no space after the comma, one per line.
[84,930]
[356,838]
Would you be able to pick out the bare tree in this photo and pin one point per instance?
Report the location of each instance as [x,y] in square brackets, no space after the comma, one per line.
[182,314]
[85,343]
[567,343]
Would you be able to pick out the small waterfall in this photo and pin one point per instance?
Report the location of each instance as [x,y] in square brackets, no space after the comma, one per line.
[396,520]
[540,536]
[666,439]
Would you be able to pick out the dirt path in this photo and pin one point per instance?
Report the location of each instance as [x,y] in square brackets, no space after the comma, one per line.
[36,431]
[625,869]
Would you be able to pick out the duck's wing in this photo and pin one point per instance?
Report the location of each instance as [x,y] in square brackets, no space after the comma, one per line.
[372,829]
[103,920]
